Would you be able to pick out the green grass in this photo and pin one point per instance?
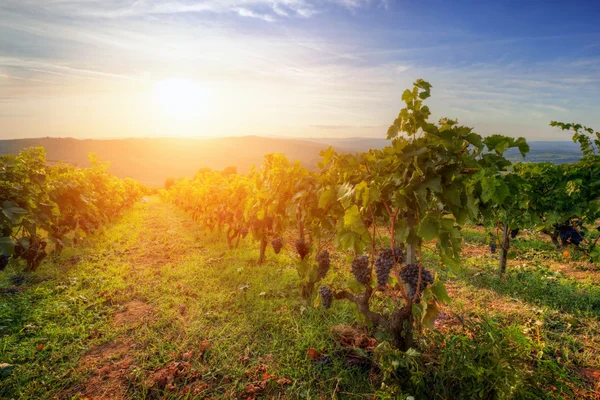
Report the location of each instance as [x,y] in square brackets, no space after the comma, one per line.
[236,317]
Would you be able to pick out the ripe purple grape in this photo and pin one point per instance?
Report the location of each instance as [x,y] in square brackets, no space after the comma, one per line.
[410,275]
[326,296]
[277,244]
[383,265]
[360,269]
[324,263]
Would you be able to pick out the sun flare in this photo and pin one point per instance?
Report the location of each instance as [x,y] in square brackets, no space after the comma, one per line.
[181,98]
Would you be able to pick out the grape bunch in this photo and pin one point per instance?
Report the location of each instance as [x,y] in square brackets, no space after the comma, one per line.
[301,248]
[326,296]
[410,276]
[244,233]
[277,244]
[570,235]
[399,254]
[324,263]
[493,247]
[360,269]
[3,261]
[598,228]
[383,265]
[514,233]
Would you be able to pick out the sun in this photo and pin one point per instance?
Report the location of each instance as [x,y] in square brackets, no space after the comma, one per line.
[181,98]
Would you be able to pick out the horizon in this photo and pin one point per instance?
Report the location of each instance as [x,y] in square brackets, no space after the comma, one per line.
[312,139]
[293,68]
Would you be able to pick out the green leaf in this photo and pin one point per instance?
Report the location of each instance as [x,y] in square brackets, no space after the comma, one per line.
[352,218]
[317,300]
[431,314]
[326,198]
[355,286]
[7,246]
[439,291]
[13,212]
[429,228]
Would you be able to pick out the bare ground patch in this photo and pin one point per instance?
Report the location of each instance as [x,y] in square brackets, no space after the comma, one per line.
[109,366]
[578,271]
[134,313]
[475,251]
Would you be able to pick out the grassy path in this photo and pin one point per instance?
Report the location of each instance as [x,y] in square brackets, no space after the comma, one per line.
[153,307]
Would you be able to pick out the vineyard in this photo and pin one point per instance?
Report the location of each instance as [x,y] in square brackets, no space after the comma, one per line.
[432,268]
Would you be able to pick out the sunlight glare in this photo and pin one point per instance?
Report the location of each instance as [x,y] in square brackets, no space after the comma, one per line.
[181,98]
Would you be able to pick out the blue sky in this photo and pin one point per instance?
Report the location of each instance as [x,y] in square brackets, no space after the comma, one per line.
[300,68]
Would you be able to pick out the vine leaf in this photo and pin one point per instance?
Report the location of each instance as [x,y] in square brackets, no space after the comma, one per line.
[13,212]
[7,246]
[439,291]
[429,228]
[431,313]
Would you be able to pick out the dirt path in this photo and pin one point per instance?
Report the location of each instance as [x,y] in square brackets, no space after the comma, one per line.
[164,238]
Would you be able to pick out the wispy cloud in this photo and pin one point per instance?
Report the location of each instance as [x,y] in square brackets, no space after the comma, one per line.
[268,60]
[267,10]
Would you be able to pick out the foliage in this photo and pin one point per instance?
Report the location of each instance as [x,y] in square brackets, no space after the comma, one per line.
[566,197]
[60,203]
[428,181]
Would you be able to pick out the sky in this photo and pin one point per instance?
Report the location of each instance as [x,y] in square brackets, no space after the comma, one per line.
[294,68]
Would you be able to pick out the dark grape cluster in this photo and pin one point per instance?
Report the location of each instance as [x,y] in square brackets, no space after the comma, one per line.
[570,235]
[398,255]
[598,228]
[3,261]
[410,275]
[493,247]
[326,296]
[514,233]
[301,248]
[383,265]
[277,244]
[324,263]
[244,233]
[360,269]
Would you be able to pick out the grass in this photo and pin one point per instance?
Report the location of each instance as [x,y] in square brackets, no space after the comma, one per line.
[195,320]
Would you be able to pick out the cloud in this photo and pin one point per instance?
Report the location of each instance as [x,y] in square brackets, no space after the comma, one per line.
[266,10]
[307,77]
[245,12]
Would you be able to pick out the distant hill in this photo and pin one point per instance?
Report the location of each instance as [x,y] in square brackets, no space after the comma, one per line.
[151,160]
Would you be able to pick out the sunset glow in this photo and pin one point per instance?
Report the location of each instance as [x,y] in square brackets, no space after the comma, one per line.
[181,98]
[298,68]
